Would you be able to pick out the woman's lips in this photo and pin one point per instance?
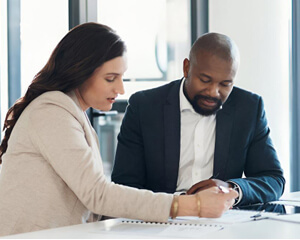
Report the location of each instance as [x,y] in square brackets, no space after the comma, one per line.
[111,100]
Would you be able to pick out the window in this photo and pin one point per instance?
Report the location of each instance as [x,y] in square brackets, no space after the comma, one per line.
[155,45]
[3,63]
[43,24]
[158,39]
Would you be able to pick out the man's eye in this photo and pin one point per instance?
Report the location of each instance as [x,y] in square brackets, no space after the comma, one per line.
[203,80]
[226,84]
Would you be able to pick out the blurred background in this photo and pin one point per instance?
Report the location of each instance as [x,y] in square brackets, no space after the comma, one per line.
[158,35]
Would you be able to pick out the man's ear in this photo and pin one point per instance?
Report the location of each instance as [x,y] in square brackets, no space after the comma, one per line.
[186,67]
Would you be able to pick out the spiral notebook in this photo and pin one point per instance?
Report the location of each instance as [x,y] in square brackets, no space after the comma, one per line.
[169,229]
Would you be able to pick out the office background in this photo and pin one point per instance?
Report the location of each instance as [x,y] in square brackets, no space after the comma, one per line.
[159,34]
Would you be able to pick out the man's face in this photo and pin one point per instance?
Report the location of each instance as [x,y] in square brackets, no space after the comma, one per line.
[209,81]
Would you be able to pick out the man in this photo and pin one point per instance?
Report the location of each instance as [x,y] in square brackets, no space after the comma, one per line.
[200,131]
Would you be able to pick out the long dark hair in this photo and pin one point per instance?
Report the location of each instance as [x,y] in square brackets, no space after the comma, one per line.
[73,61]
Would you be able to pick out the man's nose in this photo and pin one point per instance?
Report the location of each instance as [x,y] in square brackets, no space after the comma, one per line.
[214,90]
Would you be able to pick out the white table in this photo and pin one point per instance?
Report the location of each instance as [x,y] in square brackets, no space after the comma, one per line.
[265,228]
[256,229]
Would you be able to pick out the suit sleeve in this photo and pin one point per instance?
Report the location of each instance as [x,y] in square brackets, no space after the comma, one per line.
[129,167]
[264,180]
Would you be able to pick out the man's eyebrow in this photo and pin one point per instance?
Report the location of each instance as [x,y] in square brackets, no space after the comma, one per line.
[228,80]
[209,77]
[205,75]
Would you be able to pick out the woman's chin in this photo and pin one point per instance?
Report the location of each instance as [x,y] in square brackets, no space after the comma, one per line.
[105,109]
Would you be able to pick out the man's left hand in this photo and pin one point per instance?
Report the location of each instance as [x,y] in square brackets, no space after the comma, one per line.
[207,184]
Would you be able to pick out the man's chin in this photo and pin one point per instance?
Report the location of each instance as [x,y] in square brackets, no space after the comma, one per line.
[206,111]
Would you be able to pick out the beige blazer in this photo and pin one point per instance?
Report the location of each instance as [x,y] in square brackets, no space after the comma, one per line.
[52,173]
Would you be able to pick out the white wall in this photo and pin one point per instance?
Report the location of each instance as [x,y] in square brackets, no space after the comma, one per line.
[261,30]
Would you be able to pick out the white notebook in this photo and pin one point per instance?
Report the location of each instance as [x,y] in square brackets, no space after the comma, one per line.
[170,229]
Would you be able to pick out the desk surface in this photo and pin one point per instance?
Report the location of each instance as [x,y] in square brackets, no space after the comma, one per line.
[271,229]
[265,228]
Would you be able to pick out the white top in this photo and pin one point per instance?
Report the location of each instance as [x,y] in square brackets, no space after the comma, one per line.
[198,134]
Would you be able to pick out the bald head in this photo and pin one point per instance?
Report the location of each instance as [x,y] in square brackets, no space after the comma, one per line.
[216,44]
[210,72]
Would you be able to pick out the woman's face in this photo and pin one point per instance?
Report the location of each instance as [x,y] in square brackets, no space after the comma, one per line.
[102,88]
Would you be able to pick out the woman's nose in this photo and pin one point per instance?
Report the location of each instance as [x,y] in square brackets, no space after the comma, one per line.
[120,87]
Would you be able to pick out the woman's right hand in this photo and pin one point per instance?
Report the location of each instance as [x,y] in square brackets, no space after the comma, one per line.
[214,202]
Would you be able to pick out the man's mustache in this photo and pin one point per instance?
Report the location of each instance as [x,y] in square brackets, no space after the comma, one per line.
[202,97]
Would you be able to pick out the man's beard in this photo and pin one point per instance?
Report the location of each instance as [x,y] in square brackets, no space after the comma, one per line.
[204,111]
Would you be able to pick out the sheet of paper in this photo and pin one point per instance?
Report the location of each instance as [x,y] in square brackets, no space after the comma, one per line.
[170,229]
[188,231]
[229,217]
[293,196]
[285,202]
[295,218]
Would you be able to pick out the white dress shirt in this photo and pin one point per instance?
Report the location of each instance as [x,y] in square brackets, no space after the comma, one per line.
[198,134]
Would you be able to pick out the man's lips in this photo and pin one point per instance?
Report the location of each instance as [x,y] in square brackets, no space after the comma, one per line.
[209,103]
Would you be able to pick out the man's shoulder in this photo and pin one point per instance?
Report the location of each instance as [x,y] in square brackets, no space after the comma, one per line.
[239,95]
[159,93]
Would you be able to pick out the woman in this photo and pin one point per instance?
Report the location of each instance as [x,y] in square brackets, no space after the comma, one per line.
[52,171]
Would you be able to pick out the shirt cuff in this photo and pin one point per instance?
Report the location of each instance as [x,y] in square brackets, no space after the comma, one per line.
[237,188]
[179,193]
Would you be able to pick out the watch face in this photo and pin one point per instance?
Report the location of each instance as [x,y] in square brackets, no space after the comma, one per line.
[236,188]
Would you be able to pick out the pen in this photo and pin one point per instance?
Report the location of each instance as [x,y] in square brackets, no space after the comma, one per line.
[223,189]
[214,176]
[258,214]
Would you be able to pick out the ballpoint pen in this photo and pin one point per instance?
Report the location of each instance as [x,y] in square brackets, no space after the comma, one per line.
[258,215]
[214,176]
[222,188]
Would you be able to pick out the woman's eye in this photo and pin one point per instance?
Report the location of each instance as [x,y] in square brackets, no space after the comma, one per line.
[109,80]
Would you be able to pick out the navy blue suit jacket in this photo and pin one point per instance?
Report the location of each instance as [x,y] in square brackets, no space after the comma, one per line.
[148,148]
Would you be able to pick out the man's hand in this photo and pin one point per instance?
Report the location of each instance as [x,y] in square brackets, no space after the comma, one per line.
[207,184]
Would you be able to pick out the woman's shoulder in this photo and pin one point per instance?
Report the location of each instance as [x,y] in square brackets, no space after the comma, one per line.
[54,103]
[56,99]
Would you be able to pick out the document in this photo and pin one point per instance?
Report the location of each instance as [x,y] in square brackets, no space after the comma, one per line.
[293,196]
[170,229]
[184,231]
[230,217]
[294,218]
[287,202]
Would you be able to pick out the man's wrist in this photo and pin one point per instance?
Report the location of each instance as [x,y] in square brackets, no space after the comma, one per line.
[237,188]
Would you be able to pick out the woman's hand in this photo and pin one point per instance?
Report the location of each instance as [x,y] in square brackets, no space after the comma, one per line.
[214,202]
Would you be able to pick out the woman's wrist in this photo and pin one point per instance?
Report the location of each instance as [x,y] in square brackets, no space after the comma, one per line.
[174,207]
[188,205]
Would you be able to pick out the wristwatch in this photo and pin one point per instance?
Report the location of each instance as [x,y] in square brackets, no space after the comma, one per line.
[236,188]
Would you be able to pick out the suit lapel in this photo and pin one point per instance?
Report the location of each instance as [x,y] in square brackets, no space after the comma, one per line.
[172,137]
[224,125]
